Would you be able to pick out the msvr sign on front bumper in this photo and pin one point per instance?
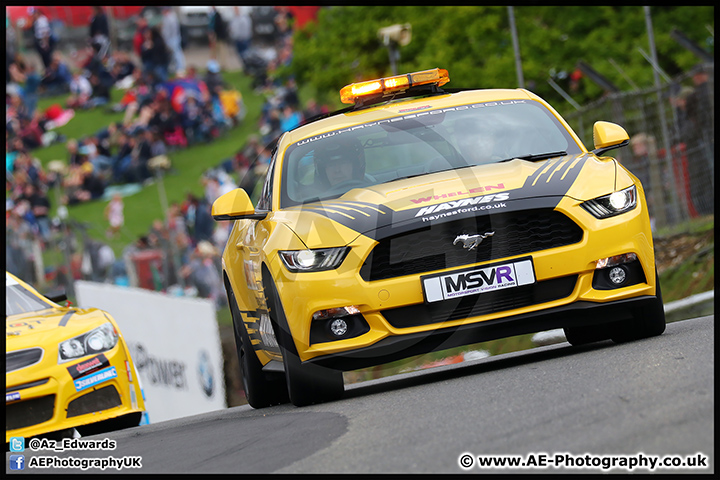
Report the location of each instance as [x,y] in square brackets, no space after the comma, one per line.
[478,280]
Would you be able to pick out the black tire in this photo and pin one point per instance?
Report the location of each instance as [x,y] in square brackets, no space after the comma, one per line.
[647,321]
[262,389]
[306,383]
[583,335]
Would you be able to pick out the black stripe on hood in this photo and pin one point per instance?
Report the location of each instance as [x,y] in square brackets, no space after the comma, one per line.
[543,189]
[64,320]
[555,177]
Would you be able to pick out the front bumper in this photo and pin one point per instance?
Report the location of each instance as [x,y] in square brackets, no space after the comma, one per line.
[564,273]
[394,348]
[43,398]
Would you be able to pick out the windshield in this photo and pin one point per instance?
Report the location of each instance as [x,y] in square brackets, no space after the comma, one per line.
[18,300]
[424,142]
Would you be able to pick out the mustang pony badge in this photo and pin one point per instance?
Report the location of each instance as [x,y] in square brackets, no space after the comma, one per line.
[472,241]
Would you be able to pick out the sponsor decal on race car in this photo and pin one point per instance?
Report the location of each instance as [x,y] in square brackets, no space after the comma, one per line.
[499,186]
[88,366]
[408,117]
[473,281]
[12,397]
[455,205]
[414,109]
[95,379]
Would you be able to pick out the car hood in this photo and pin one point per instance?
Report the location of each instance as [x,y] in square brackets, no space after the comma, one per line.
[391,208]
[51,325]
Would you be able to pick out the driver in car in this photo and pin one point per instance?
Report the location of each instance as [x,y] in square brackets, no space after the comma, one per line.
[339,161]
[478,142]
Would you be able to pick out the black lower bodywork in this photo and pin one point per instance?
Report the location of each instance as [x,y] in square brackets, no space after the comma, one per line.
[402,346]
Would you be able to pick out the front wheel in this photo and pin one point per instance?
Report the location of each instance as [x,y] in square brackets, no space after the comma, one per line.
[647,321]
[585,334]
[306,383]
[262,389]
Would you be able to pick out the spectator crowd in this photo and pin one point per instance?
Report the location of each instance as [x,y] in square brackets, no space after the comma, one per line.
[167,104]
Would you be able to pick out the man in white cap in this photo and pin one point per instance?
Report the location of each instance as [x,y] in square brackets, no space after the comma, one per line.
[44,40]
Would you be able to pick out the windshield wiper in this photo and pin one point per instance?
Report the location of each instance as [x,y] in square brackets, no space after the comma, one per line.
[537,156]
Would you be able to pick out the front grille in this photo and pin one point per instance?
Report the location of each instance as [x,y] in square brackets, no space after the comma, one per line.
[483,304]
[431,248]
[95,401]
[29,412]
[22,358]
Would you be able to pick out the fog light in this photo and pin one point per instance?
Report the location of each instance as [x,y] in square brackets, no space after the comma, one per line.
[617,275]
[339,327]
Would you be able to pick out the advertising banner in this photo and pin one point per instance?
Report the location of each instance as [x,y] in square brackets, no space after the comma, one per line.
[174,342]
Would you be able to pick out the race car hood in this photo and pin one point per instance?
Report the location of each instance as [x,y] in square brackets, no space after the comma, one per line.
[48,327]
[390,208]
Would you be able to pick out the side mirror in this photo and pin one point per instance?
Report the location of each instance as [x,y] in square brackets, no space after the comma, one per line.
[607,136]
[235,205]
[57,296]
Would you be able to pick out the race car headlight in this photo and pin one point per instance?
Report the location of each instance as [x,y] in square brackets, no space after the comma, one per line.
[95,341]
[315,260]
[613,204]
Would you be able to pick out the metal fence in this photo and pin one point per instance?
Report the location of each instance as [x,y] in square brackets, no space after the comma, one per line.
[679,118]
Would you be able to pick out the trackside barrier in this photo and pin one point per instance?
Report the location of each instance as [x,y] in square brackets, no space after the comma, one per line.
[174,343]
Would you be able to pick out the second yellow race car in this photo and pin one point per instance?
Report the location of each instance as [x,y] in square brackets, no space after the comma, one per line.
[420,219]
[65,368]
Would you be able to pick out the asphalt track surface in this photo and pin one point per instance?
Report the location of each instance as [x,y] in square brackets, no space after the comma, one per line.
[653,397]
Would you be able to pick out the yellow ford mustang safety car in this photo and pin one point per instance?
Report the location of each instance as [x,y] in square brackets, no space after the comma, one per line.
[420,219]
[66,368]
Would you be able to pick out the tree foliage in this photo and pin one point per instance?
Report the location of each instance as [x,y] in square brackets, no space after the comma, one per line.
[474,44]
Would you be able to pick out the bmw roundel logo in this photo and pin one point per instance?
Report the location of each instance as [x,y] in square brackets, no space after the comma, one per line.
[205,374]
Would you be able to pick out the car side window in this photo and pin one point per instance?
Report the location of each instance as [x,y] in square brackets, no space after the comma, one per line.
[265,200]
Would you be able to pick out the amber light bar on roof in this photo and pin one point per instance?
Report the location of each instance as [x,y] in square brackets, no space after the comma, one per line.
[351,93]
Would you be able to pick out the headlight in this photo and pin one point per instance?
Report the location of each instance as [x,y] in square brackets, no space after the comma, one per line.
[314,260]
[98,340]
[613,204]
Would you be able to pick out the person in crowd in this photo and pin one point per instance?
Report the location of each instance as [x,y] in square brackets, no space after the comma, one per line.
[290,118]
[19,246]
[157,144]
[173,40]
[30,89]
[100,33]
[102,164]
[39,206]
[122,69]
[191,120]
[15,74]
[57,77]
[138,170]
[312,109]
[213,78]
[139,36]
[241,33]
[153,53]
[72,147]
[100,92]
[43,37]
[203,274]
[80,91]
[121,159]
[114,215]
[217,37]
[82,185]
